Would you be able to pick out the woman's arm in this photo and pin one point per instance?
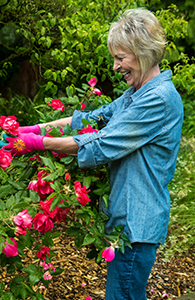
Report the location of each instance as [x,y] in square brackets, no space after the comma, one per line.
[60,122]
[65,145]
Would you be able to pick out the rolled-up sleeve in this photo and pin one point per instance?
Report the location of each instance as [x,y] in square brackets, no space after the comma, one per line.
[127,130]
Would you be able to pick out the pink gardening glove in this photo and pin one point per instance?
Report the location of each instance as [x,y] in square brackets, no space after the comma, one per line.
[25,143]
[28,129]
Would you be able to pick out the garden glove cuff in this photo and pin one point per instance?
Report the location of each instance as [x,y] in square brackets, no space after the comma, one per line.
[25,143]
[3,140]
[28,129]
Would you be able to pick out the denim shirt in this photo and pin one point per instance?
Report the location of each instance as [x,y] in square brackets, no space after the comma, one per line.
[140,143]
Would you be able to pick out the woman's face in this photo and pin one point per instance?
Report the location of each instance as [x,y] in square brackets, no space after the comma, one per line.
[127,64]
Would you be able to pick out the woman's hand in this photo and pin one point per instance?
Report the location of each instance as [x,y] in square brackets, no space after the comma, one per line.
[24,143]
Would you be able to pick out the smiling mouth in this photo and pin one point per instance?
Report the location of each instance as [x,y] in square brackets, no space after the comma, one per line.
[126,75]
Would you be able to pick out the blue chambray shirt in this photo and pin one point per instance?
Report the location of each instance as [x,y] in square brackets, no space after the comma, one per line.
[140,143]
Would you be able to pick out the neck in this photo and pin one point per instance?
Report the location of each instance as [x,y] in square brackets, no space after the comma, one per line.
[151,73]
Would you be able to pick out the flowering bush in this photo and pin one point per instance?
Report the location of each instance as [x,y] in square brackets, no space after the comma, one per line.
[41,189]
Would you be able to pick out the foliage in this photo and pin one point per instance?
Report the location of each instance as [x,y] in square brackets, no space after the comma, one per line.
[181,235]
[67,185]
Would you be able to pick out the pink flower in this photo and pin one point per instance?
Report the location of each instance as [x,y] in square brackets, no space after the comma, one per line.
[108,253]
[5,159]
[83,284]
[32,185]
[43,252]
[89,129]
[47,276]
[165,295]
[67,177]
[81,193]
[9,124]
[92,82]
[42,287]
[88,298]
[56,104]
[42,222]
[82,106]
[152,291]
[23,219]
[9,249]
[20,231]
[97,92]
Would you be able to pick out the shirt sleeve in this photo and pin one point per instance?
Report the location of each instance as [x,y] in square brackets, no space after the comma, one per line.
[126,131]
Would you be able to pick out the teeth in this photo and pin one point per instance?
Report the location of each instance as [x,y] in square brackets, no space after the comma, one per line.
[126,73]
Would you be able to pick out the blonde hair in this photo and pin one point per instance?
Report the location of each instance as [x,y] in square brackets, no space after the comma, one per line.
[140,32]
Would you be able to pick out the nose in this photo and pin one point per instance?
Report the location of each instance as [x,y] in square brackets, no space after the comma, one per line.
[116,65]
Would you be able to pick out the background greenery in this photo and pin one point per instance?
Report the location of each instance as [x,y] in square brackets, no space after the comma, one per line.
[65,42]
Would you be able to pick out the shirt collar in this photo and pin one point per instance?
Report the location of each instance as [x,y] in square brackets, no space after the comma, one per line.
[131,94]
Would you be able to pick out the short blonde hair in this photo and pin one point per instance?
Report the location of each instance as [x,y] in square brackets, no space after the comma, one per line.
[140,32]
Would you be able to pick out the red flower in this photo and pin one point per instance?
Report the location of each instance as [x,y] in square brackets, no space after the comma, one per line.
[43,252]
[67,177]
[89,129]
[5,159]
[9,124]
[81,193]
[58,214]
[82,106]
[41,186]
[9,249]
[92,82]
[23,219]
[97,92]
[20,231]
[42,222]
[56,104]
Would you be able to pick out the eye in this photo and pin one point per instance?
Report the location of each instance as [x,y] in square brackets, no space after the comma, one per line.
[120,58]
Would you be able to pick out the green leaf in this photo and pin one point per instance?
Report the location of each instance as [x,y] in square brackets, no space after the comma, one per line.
[122,246]
[57,271]
[103,216]
[88,240]
[6,190]
[55,202]
[79,241]
[105,199]
[19,163]
[98,243]
[34,278]
[2,205]
[34,196]
[100,226]
[10,202]
[2,286]
[48,162]
[18,185]
[10,269]
[99,258]
[52,176]
[87,219]
[67,160]
[87,181]
[73,231]
[30,269]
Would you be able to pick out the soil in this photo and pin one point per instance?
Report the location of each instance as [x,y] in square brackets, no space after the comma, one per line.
[175,277]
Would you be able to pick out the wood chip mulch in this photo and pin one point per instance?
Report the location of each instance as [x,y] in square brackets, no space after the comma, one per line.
[82,277]
[175,278]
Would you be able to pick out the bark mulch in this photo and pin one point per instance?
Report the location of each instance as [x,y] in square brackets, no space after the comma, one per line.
[175,277]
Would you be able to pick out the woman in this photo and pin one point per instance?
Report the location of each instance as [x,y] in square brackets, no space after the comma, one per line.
[140,143]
